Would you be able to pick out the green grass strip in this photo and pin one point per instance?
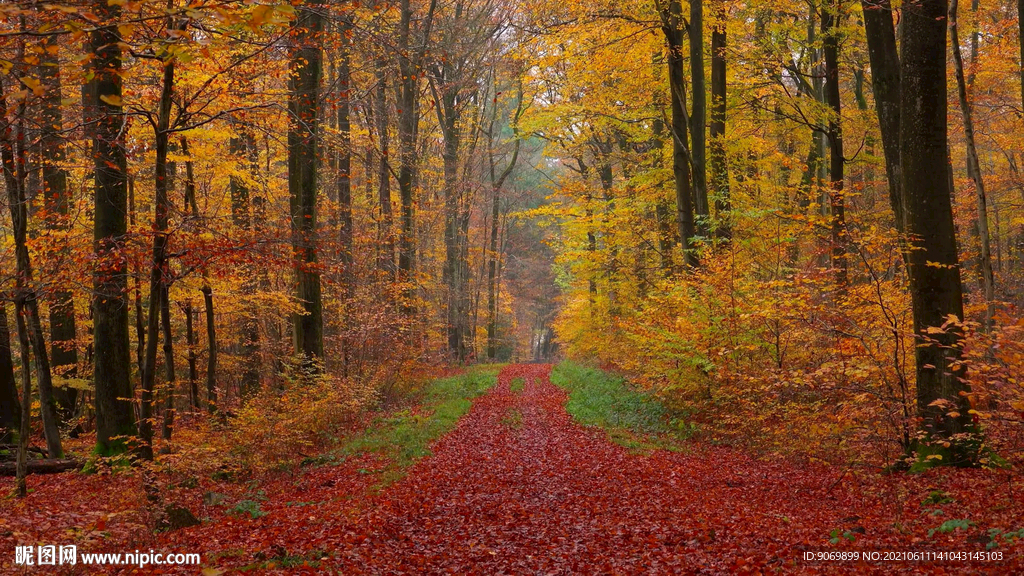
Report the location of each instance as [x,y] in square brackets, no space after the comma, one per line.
[405,437]
[631,418]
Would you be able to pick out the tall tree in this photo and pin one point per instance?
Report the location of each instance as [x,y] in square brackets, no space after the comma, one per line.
[698,119]
[716,128]
[243,148]
[26,297]
[159,271]
[115,418]
[1020,39]
[385,224]
[346,231]
[974,170]
[830,20]
[303,130]
[672,27]
[57,199]
[885,83]
[205,289]
[493,254]
[410,69]
[933,263]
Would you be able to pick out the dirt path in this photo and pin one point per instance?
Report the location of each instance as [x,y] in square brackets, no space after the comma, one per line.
[518,487]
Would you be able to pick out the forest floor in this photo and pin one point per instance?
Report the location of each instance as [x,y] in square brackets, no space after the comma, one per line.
[518,487]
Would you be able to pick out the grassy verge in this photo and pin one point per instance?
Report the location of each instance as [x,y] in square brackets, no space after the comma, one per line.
[405,436]
[631,418]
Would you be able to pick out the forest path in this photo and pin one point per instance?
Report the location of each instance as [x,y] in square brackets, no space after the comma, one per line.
[518,487]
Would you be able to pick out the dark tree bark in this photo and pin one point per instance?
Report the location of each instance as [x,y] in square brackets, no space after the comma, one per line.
[114,414]
[449,112]
[885,83]
[410,63]
[716,129]
[206,290]
[933,265]
[974,171]
[242,148]
[136,274]
[26,299]
[10,406]
[41,467]
[671,25]
[698,119]
[1020,38]
[211,355]
[57,199]
[193,372]
[158,279]
[666,235]
[169,390]
[346,232]
[303,131]
[386,225]
[26,406]
[830,21]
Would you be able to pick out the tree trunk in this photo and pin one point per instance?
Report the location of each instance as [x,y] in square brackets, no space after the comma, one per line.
[493,254]
[193,373]
[346,233]
[885,83]
[386,260]
[169,390]
[448,117]
[12,153]
[211,355]
[26,406]
[57,199]
[10,406]
[1020,38]
[666,240]
[114,414]
[303,131]
[207,291]
[136,274]
[410,63]
[40,467]
[716,129]
[698,119]
[933,265]
[242,148]
[974,171]
[671,20]
[158,271]
[830,21]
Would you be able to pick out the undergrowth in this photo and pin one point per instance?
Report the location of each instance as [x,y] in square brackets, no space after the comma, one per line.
[631,418]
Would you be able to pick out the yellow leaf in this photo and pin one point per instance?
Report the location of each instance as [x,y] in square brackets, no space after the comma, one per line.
[34,85]
[111,99]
